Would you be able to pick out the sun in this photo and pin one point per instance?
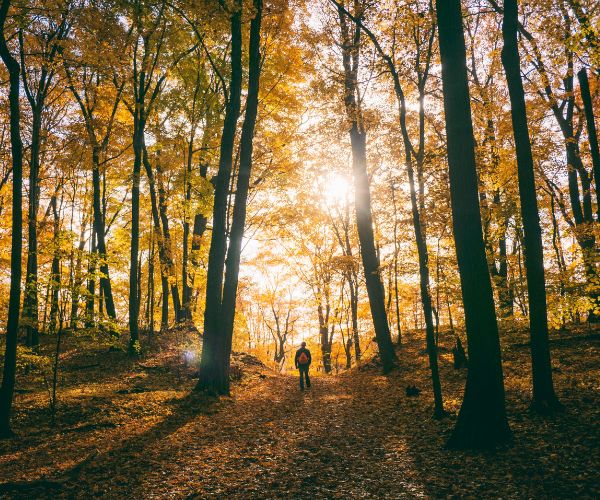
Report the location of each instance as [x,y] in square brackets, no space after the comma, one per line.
[337,189]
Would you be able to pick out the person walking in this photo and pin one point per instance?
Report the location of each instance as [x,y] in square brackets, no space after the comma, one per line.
[302,362]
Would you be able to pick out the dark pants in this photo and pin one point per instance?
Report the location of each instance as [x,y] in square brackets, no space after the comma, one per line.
[304,375]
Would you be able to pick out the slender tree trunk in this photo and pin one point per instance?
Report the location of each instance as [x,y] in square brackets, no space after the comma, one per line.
[198,230]
[77,278]
[167,243]
[396,252]
[482,419]
[134,307]
[367,246]
[10,353]
[241,192]
[324,337]
[55,267]
[425,292]
[100,235]
[212,372]
[354,315]
[557,245]
[362,196]
[30,301]
[91,284]
[544,397]
[151,287]
[186,311]
[159,234]
[505,296]
[586,97]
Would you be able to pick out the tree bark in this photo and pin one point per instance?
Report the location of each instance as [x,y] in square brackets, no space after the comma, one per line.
[362,195]
[160,219]
[186,290]
[167,243]
[10,354]
[238,223]
[138,145]
[29,320]
[91,283]
[482,419]
[55,266]
[100,235]
[212,373]
[544,397]
[586,97]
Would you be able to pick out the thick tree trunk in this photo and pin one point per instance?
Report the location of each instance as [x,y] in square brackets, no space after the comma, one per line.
[213,376]
[241,192]
[544,397]
[586,97]
[10,353]
[482,419]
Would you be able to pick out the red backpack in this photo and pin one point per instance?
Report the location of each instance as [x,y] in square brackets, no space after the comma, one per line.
[303,358]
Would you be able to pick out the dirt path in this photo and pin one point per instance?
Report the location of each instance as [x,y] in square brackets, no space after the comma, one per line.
[141,432]
[270,441]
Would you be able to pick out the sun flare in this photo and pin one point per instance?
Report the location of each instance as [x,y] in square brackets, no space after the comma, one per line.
[337,190]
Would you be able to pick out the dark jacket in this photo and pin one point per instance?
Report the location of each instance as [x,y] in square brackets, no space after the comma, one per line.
[300,351]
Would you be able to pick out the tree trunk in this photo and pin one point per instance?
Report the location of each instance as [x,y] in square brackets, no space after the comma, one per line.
[167,243]
[241,192]
[10,354]
[29,320]
[186,290]
[396,252]
[425,292]
[362,196]
[91,283]
[161,235]
[324,337]
[55,267]
[212,373]
[482,419]
[134,306]
[586,97]
[544,397]
[77,278]
[354,315]
[100,233]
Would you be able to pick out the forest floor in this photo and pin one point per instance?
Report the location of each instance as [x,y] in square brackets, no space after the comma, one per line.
[134,428]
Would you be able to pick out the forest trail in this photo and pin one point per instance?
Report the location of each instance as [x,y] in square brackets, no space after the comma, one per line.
[136,429]
[335,439]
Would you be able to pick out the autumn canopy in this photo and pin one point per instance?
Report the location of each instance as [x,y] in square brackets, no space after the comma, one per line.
[189,189]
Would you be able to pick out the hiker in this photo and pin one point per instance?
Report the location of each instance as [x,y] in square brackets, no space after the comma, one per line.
[302,362]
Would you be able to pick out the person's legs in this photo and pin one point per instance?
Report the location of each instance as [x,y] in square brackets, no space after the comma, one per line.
[301,372]
[307,377]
